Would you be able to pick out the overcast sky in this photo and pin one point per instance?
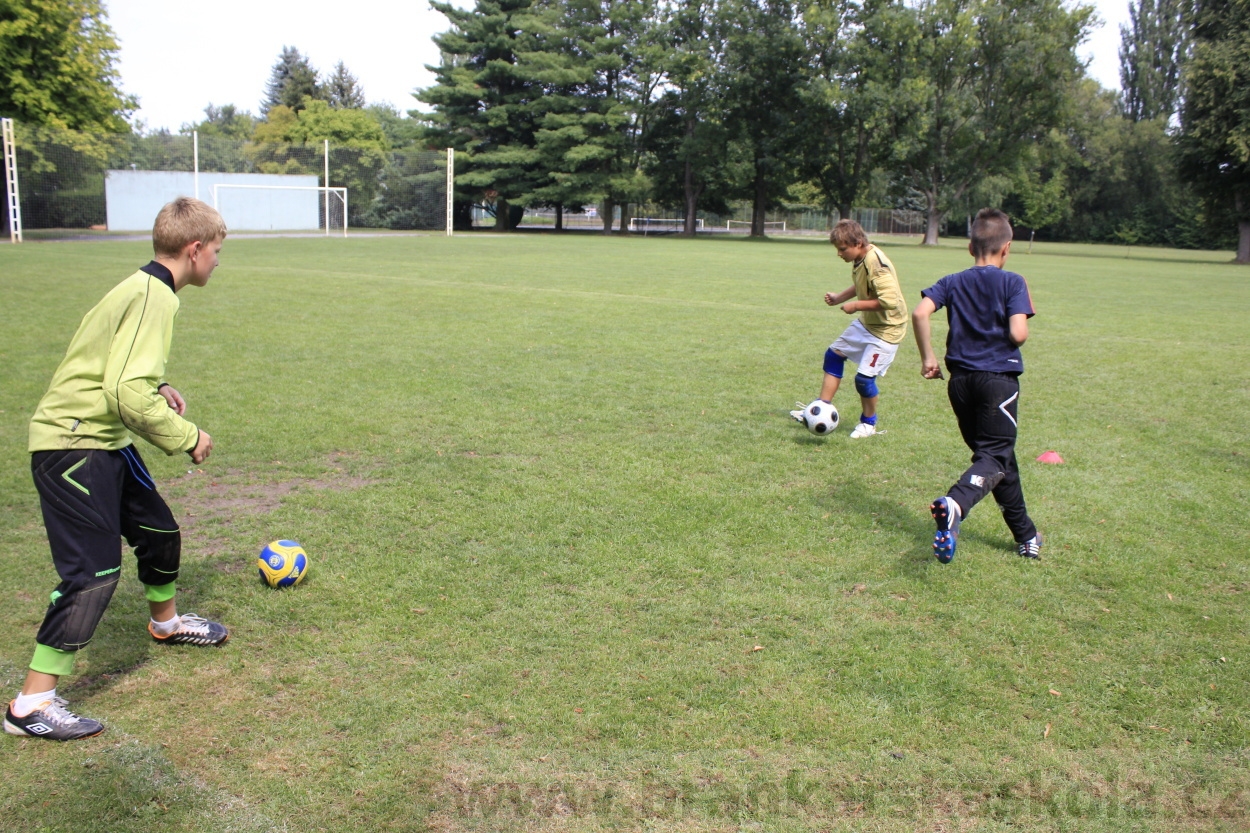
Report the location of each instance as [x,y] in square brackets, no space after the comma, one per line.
[177,57]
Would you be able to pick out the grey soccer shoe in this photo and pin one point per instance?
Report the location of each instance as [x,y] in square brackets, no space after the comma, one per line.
[798,413]
[51,721]
[193,630]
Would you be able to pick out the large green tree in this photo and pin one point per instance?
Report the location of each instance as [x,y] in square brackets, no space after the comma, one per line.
[691,163]
[1152,47]
[844,131]
[484,103]
[979,83]
[764,73]
[1215,116]
[57,66]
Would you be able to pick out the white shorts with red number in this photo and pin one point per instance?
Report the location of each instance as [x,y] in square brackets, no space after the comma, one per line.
[871,355]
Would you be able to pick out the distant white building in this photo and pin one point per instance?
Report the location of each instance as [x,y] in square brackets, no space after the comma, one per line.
[133,198]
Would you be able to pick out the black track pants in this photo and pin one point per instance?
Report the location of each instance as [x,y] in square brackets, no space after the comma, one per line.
[985,405]
[91,498]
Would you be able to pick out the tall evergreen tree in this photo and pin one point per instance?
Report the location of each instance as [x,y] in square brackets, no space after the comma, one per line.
[57,66]
[1215,116]
[342,89]
[291,81]
[1152,47]
[484,102]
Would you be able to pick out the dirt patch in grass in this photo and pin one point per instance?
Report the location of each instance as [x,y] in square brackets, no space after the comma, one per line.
[207,504]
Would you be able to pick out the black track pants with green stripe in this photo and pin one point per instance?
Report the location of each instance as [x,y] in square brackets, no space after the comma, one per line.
[91,498]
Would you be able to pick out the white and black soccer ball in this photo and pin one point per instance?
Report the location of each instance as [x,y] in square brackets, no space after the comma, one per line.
[821,418]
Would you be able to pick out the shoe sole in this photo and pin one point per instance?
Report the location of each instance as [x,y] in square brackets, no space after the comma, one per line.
[944,539]
[22,733]
[171,641]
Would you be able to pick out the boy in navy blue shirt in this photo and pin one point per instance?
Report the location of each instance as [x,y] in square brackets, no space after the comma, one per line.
[988,310]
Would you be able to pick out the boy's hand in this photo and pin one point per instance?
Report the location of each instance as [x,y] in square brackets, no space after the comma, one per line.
[930,369]
[831,299]
[203,447]
[850,307]
[174,399]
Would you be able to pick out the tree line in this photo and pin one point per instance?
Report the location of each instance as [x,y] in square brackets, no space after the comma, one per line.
[942,106]
[939,105]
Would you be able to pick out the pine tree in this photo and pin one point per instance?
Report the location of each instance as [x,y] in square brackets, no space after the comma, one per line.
[343,90]
[1152,48]
[291,81]
[484,101]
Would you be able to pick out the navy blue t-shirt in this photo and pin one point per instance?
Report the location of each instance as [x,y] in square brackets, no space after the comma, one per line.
[979,304]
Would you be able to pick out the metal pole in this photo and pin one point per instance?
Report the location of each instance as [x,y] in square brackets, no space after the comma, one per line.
[451,182]
[10,179]
[327,191]
[195,155]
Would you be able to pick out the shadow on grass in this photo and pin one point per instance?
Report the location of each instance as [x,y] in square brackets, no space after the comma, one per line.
[850,495]
[121,644]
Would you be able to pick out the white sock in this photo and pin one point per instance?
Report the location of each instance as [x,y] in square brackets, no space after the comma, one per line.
[168,626]
[24,704]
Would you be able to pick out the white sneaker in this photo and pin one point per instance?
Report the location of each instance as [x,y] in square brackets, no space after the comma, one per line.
[797,413]
[863,430]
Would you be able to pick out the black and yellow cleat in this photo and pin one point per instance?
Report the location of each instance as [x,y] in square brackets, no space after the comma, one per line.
[51,721]
[193,630]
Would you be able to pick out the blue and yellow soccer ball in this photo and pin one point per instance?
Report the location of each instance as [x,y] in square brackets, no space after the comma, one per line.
[282,563]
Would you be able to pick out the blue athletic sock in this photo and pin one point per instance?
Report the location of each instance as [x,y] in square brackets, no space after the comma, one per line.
[871,420]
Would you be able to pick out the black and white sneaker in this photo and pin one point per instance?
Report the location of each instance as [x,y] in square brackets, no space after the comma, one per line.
[193,630]
[1031,548]
[53,721]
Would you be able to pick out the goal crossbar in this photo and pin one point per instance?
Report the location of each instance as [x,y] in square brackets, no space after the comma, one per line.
[644,223]
[337,191]
[729,224]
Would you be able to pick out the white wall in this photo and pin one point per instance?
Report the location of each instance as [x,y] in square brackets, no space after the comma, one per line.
[133,199]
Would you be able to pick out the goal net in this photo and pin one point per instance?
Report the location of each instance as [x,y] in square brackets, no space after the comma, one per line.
[745,225]
[661,224]
[282,207]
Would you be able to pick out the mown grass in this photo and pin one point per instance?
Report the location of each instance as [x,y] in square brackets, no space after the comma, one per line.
[574,568]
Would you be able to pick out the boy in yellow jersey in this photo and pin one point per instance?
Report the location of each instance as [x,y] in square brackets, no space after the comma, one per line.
[93,487]
[871,342]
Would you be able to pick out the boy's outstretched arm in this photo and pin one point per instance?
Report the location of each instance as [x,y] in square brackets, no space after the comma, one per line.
[929,367]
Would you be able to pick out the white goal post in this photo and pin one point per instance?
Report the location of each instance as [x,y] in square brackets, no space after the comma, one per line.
[776,225]
[643,224]
[337,192]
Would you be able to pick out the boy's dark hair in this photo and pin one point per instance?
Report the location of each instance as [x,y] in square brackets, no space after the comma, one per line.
[991,230]
[848,233]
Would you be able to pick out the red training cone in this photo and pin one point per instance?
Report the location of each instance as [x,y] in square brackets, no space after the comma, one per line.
[1050,457]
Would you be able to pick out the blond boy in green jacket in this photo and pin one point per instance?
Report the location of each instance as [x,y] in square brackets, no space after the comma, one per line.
[93,487]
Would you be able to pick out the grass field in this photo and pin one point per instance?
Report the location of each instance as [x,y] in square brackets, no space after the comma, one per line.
[574,568]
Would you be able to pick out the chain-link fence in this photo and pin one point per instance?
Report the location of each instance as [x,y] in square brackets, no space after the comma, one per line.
[653,219]
[73,180]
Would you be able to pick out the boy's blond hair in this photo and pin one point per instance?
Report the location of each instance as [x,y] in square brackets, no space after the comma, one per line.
[991,230]
[848,233]
[184,221]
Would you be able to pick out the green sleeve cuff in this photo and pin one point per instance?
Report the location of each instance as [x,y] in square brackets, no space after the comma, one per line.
[52,661]
[160,592]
